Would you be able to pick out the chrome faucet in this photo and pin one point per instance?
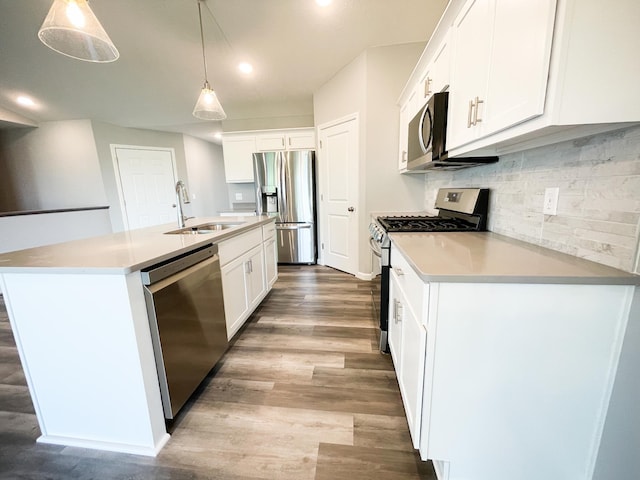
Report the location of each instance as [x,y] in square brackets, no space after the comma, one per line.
[181,189]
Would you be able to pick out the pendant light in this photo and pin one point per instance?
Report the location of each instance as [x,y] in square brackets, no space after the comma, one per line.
[208,106]
[71,28]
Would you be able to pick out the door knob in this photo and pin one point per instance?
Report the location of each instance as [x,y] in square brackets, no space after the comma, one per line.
[350,209]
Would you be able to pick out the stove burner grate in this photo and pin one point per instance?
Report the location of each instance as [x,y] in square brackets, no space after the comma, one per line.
[425,224]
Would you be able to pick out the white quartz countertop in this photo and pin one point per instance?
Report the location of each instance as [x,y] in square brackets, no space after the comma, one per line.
[488,257]
[122,252]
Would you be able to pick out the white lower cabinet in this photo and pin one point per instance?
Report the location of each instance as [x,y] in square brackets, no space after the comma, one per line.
[270,254]
[244,284]
[407,343]
[495,376]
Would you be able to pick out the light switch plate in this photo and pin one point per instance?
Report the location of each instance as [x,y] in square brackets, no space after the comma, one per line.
[550,206]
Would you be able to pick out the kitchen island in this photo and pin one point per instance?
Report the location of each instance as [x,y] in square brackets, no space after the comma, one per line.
[514,361]
[79,318]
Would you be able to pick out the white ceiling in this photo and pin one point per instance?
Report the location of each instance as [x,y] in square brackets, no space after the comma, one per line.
[295,47]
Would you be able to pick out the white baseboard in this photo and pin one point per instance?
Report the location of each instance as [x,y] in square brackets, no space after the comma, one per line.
[365,276]
[442,469]
[150,451]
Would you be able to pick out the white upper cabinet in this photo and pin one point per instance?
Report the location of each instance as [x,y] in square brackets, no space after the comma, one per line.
[238,158]
[436,75]
[294,140]
[239,147]
[499,67]
[529,73]
[270,142]
[301,140]
[407,111]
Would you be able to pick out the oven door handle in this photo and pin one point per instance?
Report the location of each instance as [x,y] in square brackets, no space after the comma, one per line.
[377,251]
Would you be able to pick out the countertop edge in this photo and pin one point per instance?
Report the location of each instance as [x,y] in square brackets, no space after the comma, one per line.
[203,239]
[624,278]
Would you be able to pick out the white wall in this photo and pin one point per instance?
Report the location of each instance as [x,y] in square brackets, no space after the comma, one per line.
[34,230]
[387,71]
[50,167]
[205,168]
[599,205]
[241,194]
[370,86]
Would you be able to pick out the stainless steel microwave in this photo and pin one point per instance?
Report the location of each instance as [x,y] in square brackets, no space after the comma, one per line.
[427,141]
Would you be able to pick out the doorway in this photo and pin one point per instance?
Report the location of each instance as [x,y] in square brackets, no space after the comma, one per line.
[146,179]
[339,212]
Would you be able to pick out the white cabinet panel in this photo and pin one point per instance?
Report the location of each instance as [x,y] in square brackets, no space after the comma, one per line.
[244,274]
[270,254]
[407,342]
[255,276]
[436,75]
[302,140]
[394,332]
[500,66]
[236,305]
[286,140]
[238,158]
[238,149]
[519,66]
[270,142]
[471,36]
[403,137]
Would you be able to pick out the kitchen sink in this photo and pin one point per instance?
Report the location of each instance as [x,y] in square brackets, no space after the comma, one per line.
[204,229]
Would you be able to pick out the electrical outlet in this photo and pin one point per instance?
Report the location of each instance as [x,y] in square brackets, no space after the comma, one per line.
[550,206]
[239,196]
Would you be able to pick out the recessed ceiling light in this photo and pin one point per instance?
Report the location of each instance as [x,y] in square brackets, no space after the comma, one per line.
[245,67]
[25,101]
[323,3]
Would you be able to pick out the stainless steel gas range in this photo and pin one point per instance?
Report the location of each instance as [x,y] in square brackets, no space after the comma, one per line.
[459,210]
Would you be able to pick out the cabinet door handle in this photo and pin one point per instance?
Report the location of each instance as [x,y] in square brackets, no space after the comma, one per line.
[399,312]
[289,141]
[477,120]
[398,271]
[470,114]
[395,310]
[404,156]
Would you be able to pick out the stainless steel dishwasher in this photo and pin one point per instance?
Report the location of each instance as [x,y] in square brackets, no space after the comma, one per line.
[187,322]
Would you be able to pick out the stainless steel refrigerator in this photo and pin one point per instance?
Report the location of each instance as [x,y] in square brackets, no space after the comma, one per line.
[285,189]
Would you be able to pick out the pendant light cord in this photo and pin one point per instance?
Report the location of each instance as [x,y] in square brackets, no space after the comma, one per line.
[204,58]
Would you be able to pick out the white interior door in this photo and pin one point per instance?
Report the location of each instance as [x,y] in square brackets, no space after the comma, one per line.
[339,194]
[147,185]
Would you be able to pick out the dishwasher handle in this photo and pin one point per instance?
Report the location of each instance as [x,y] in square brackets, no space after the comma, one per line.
[160,271]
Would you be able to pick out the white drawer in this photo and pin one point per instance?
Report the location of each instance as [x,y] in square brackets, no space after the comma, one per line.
[413,287]
[268,231]
[236,246]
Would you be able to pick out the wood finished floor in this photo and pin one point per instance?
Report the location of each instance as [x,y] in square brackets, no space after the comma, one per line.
[302,394]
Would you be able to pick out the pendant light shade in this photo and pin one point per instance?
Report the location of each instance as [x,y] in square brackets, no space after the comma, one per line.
[208,106]
[71,28]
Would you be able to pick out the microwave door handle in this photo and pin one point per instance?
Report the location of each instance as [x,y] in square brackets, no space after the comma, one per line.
[421,129]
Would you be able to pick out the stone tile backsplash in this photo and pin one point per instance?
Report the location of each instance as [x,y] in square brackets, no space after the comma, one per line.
[599,204]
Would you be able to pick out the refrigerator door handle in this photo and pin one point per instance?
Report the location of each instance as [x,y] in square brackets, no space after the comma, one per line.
[293,227]
[259,200]
[283,208]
